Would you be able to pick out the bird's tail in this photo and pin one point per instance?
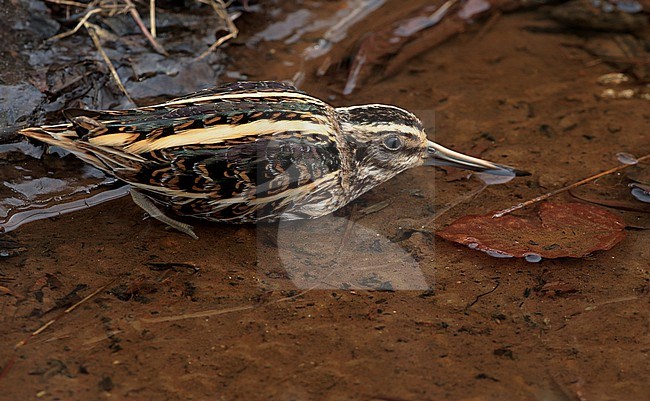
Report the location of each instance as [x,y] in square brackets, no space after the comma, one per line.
[109,159]
[63,136]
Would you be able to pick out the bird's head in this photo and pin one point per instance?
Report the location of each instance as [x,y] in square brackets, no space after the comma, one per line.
[386,140]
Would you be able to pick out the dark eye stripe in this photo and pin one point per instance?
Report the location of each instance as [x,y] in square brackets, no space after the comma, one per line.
[401,134]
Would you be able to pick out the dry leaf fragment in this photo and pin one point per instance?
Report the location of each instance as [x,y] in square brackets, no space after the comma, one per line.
[558,230]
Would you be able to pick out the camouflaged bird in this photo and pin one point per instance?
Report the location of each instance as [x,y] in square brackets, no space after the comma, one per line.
[251,151]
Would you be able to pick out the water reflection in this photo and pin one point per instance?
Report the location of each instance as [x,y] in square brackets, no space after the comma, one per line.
[54,209]
[494,179]
[336,253]
[641,192]
[37,184]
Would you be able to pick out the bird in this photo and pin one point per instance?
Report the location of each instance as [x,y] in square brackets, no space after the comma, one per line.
[250,152]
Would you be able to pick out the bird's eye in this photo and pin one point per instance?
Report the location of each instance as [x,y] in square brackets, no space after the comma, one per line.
[393,143]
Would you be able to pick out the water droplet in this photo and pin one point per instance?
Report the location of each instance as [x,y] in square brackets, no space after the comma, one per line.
[629,6]
[533,257]
[472,245]
[493,179]
[626,158]
[4,253]
[640,194]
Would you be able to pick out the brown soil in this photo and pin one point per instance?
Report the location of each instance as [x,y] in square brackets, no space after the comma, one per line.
[229,324]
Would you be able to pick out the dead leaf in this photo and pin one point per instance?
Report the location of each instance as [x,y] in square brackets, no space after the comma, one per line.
[629,203]
[558,230]
[640,174]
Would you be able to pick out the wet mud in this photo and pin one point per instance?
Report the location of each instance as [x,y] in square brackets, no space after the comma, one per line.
[367,304]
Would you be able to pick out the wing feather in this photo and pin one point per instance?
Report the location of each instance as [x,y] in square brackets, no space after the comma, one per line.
[224,152]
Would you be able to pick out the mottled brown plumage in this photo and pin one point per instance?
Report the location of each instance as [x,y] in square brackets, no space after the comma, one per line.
[252,151]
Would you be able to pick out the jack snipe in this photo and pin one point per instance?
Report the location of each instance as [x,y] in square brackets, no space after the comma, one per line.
[251,151]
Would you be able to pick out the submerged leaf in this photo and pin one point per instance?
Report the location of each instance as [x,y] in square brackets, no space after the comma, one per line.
[640,174]
[559,230]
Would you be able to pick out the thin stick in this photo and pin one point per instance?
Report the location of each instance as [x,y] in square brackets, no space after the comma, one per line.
[107,35]
[136,17]
[12,361]
[487,26]
[65,312]
[74,30]
[93,35]
[471,195]
[68,3]
[220,8]
[479,296]
[518,206]
[152,17]
[216,312]
[205,313]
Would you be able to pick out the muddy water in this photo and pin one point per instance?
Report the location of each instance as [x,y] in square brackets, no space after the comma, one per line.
[366,304]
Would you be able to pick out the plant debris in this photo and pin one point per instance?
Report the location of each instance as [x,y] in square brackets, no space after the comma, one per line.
[559,230]
[547,195]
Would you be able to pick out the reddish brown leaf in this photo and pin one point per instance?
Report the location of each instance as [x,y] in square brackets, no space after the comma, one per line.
[558,230]
[640,174]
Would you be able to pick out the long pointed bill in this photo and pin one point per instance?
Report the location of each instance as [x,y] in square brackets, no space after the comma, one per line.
[440,156]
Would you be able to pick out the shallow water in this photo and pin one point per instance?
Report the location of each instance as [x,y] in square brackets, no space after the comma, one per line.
[237,315]
[33,180]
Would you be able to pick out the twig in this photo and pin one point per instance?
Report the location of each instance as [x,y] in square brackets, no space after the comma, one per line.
[65,312]
[81,23]
[479,296]
[447,208]
[68,3]
[93,35]
[518,206]
[345,239]
[220,8]
[489,24]
[612,301]
[136,17]
[107,35]
[205,313]
[12,361]
[152,17]
[216,312]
